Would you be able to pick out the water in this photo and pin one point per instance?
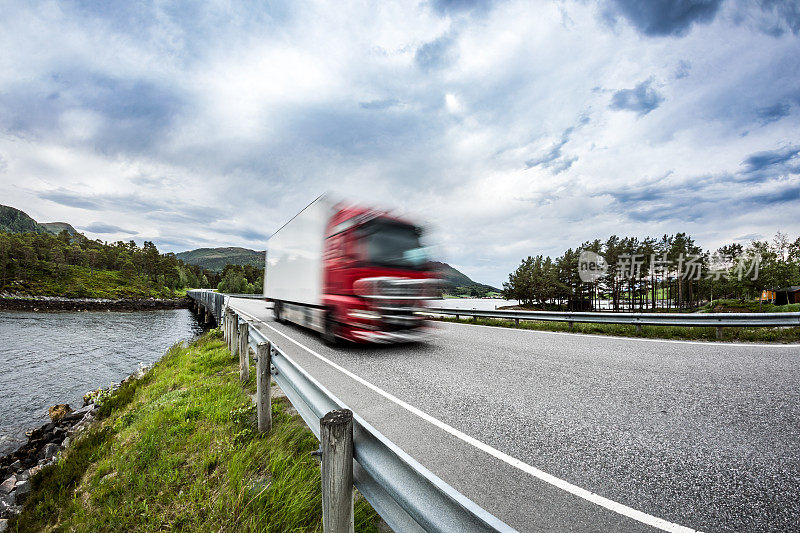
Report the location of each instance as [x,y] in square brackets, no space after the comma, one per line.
[51,358]
[483,304]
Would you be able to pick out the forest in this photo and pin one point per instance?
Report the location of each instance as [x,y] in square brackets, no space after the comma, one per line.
[670,272]
[42,264]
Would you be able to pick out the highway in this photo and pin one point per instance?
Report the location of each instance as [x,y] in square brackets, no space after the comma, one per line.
[569,432]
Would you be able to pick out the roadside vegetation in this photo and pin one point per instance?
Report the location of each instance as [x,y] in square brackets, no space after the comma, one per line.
[178,450]
[784,335]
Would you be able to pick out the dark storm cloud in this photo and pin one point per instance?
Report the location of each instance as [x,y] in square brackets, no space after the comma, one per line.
[100,227]
[641,99]
[773,113]
[783,16]
[658,18]
[133,114]
[765,180]
[776,161]
[436,54]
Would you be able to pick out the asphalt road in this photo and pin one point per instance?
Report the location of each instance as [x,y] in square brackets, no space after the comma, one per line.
[700,435]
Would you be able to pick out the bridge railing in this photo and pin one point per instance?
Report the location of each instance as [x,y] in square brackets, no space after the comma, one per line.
[717,320]
[408,496]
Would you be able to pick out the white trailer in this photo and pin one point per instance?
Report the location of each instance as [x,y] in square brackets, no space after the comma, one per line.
[294,272]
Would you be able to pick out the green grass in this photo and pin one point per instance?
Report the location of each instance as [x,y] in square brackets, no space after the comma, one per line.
[178,450]
[749,306]
[79,282]
[651,332]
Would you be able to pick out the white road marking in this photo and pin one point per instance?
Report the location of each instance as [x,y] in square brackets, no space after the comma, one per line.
[564,485]
[616,337]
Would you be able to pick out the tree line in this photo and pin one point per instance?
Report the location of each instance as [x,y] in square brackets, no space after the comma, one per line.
[27,255]
[654,273]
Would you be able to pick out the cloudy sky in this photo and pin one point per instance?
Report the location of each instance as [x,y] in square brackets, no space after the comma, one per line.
[511,128]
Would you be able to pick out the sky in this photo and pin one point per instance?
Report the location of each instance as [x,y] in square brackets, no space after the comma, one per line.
[508,128]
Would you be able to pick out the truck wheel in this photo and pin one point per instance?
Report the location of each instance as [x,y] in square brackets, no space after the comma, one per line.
[276,309]
[329,335]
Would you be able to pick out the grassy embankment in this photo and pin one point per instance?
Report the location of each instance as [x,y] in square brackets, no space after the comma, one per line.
[177,450]
[652,332]
[748,306]
[72,281]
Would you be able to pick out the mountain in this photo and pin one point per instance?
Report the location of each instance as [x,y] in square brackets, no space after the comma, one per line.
[57,227]
[455,278]
[15,221]
[216,258]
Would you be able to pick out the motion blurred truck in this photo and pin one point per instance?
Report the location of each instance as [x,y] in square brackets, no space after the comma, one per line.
[350,273]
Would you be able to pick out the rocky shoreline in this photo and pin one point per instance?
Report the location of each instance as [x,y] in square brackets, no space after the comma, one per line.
[44,448]
[53,303]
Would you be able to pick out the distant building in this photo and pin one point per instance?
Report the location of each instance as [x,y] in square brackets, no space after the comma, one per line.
[787,295]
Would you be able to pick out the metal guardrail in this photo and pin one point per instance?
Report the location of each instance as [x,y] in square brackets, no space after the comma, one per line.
[408,496]
[638,319]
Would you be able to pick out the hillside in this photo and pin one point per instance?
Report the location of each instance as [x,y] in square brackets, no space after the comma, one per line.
[216,258]
[57,227]
[12,220]
[15,221]
[457,279]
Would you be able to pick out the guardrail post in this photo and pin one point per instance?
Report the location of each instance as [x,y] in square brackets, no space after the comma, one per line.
[638,329]
[336,437]
[516,321]
[571,326]
[244,351]
[226,327]
[264,386]
[234,333]
[719,332]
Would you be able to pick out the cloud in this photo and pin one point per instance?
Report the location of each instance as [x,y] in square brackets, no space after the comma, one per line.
[437,54]
[69,199]
[683,69]
[101,227]
[553,159]
[660,18]
[385,103]
[454,7]
[773,113]
[780,16]
[641,99]
[773,160]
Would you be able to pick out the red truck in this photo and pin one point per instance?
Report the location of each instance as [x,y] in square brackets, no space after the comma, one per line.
[350,273]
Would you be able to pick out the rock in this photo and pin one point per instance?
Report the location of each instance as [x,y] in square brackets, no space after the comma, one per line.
[58,411]
[22,476]
[22,490]
[3,525]
[49,450]
[34,470]
[65,443]
[6,501]
[8,485]
[16,466]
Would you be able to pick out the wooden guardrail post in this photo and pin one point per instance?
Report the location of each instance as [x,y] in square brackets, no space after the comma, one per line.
[336,436]
[244,351]
[516,321]
[719,332]
[234,333]
[264,386]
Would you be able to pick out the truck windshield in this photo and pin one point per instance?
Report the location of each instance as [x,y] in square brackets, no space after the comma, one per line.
[393,244]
